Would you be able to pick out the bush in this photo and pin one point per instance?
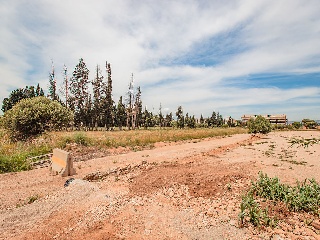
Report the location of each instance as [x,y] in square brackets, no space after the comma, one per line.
[259,125]
[33,116]
[296,125]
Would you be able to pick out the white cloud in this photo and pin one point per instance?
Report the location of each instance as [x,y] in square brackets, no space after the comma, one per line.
[152,39]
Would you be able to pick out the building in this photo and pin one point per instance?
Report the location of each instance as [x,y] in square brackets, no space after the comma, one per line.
[280,119]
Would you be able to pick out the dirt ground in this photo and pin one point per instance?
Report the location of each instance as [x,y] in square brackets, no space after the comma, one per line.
[186,190]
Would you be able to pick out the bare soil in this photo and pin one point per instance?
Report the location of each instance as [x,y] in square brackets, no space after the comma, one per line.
[186,190]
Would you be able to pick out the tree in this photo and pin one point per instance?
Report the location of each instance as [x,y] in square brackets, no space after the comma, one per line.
[108,102]
[64,88]
[259,125]
[138,107]
[39,91]
[161,118]
[296,125]
[52,91]
[19,94]
[98,96]
[121,116]
[131,115]
[309,124]
[180,117]
[168,120]
[33,116]
[78,89]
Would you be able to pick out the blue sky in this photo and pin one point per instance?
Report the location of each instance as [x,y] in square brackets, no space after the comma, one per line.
[235,57]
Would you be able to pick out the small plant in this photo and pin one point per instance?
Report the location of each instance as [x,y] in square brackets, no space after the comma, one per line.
[304,142]
[251,210]
[29,200]
[304,197]
[32,199]
[81,138]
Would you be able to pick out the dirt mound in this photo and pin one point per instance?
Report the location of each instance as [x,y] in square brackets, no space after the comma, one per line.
[203,180]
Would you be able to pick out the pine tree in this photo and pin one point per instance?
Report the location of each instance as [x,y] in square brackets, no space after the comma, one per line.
[52,91]
[213,120]
[64,89]
[138,108]
[168,120]
[108,100]
[39,91]
[79,96]
[121,116]
[161,119]
[98,95]
[180,117]
[131,115]
[201,120]
[19,94]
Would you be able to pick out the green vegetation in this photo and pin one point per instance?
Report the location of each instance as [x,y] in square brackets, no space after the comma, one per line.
[304,142]
[32,116]
[259,125]
[304,197]
[29,200]
[14,154]
[296,125]
[309,124]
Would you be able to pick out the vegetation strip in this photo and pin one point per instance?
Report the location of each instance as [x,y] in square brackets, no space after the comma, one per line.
[14,156]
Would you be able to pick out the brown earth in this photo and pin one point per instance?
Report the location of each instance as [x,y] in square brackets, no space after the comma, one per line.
[187,190]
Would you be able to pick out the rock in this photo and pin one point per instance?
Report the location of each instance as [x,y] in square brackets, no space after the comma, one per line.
[67,183]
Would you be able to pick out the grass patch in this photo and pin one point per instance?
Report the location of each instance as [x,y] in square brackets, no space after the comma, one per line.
[14,155]
[304,142]
[304,197]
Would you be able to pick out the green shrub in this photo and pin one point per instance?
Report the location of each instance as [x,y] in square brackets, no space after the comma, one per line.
[259,125]
[304,197]
[296,125]
[33,116]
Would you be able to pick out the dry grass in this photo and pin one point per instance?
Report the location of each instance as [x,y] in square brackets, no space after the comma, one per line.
[13,155]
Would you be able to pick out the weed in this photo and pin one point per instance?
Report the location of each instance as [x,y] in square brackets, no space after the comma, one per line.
[304,142]
[29,200]
[32,199]
[81,138]
[251,210]
[304,197]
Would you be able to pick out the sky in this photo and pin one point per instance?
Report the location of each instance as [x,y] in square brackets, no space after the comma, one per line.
[234,57]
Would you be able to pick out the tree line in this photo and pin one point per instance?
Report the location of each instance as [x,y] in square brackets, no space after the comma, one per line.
[92,104]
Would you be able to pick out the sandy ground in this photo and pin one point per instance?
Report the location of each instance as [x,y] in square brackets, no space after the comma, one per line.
[188,190]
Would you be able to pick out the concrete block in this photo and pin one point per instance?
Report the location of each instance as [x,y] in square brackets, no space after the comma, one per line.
[62,163]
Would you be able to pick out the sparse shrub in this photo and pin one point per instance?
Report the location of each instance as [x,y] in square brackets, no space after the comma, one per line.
[33,116]
[81,138]
[259,125]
